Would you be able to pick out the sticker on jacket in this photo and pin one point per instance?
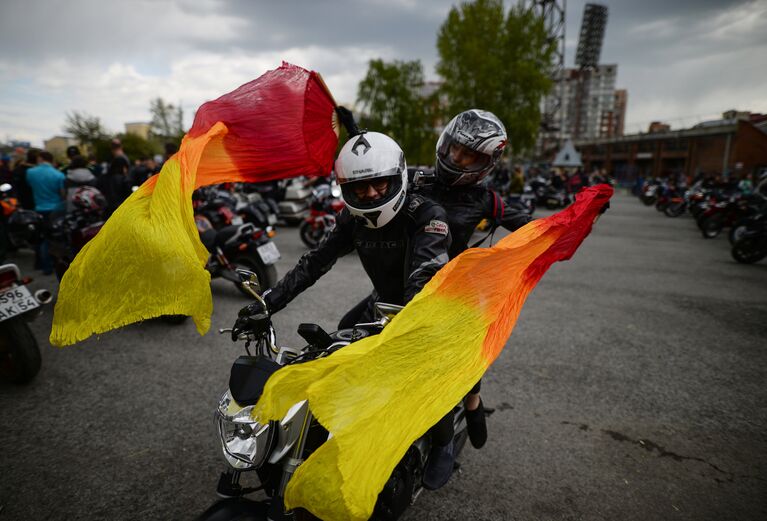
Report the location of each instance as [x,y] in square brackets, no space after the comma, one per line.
[436,227]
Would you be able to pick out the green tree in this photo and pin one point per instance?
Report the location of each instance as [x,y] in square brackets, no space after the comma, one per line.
[391,103]
[86,128]
[496,61]
[167,121]
[136,147]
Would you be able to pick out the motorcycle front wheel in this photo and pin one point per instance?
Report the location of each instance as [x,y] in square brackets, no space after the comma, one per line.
[19,353]
[737,232]
[674,210]
[749,250]
[712,225]
[311,236]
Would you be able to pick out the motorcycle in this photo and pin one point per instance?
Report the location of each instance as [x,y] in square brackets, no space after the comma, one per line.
[524,202]
[650,192]
[19,353]
[274,450]
[24,228]
[752,246]
[68,234]
[239,246]
[294,206]
[756,214]
[722,214]
[323,207]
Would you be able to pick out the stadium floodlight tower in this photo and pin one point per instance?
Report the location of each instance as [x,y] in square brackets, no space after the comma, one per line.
[587,55]
[592,34]
[552,12]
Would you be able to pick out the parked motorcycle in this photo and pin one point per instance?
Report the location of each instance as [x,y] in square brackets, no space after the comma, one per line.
[524,202]
[274,450]
[294,206]
[650,192]
[324,205]
[750,248]
[241,246]
[19,353]
[753,220]
[722,214]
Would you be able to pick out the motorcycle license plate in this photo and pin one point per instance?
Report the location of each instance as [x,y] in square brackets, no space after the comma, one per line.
[268,253]
[272,219]
[237,220]
[15,301]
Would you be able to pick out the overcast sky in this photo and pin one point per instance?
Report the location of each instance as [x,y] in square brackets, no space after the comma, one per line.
[682,61]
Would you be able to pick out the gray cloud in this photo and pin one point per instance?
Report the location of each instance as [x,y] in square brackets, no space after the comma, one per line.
[677,58]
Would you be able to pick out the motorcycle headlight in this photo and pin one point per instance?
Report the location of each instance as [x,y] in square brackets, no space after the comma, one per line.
[244,442]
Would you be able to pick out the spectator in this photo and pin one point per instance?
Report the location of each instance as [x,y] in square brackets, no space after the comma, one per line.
[517,182]
[72,152]
[19,179]
[78,175]
[140,172]
[115,184]
[47,185]
[94,166]
[5,169]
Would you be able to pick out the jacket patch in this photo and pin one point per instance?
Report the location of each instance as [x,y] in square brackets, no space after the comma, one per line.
[436,226]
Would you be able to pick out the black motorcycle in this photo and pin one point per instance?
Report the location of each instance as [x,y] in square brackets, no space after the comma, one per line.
[752,245]
[274,450]
[19,353]
[242,246]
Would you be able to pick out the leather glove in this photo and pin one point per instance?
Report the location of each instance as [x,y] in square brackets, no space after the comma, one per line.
[253,318]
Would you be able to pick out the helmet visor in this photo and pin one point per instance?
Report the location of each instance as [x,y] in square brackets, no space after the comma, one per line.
[460,158]
[371,193]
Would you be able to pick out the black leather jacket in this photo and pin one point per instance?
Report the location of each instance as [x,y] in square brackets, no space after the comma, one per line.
[400,257]
[466,206]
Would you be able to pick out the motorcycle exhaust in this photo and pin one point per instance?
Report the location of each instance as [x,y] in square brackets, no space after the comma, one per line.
[43,296]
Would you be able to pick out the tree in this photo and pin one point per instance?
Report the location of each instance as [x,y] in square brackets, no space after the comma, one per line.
[86,128]
[136,147]
[391,102]
[497,62]
[167,121]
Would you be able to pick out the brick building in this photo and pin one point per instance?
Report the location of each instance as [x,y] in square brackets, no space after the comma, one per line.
[733,145]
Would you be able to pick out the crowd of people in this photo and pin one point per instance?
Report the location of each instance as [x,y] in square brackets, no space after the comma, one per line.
[42,184]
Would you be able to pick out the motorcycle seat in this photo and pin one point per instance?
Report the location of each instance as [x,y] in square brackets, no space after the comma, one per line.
[208,239]
[226,233]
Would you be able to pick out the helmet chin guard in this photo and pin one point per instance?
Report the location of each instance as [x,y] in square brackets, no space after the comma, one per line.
[374,159]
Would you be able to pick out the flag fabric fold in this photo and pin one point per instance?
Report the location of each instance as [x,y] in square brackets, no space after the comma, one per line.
[148,260]
[381,393]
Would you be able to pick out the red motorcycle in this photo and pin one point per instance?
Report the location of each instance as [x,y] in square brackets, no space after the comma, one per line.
[324,205]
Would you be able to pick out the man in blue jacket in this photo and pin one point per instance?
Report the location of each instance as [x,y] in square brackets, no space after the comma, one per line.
[47,184]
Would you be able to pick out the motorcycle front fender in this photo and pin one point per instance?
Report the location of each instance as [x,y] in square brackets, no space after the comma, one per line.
[241,509]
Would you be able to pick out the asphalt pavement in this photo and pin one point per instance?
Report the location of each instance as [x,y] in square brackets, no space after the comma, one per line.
[632,388]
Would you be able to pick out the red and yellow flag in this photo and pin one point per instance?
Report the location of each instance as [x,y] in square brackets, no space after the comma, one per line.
[381,393]
[148,260]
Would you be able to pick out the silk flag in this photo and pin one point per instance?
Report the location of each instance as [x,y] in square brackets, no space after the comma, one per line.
[380,394]
[148,260]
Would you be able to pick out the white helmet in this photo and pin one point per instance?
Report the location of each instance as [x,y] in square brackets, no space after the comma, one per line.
[469,147]
[365,158]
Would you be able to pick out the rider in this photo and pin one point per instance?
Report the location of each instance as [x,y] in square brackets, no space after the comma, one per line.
[469,149]
[402,240]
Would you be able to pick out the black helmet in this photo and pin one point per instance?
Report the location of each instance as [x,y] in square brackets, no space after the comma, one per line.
[469,147]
